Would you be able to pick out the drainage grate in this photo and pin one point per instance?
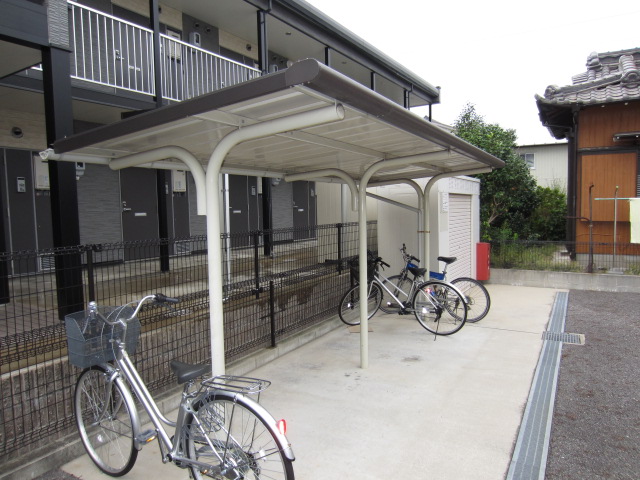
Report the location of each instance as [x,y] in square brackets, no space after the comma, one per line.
[570,338]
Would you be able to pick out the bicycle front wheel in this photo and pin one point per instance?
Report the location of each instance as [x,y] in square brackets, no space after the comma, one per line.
[397,284]
[439,308]
[105,421]
[229,439]
[476,296]
[349,310]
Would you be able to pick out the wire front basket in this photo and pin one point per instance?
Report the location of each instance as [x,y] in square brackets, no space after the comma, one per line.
[89,339]
[354,266]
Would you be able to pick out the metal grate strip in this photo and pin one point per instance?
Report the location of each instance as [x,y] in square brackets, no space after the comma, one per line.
[570,338]
[530,454]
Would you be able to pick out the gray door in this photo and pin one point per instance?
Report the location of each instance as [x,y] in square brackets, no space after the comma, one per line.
[139,196]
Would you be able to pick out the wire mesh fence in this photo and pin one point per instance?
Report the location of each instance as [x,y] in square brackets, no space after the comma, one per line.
[594,257]
[275,283]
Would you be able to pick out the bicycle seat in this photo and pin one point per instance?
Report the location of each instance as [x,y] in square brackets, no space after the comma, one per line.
[447,260]
[188,371]
[417,271]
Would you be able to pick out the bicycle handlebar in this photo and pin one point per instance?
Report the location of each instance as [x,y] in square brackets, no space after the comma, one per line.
[157,297]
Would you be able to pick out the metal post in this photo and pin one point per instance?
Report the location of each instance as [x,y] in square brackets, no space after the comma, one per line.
[90,280]
[339,228]
[272,313]
[615,225]
[256,262]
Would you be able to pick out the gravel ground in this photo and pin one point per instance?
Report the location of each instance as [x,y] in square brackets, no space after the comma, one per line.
[596,422]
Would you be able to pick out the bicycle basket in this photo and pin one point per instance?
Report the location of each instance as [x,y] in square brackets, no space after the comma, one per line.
[354,266]
[88,340]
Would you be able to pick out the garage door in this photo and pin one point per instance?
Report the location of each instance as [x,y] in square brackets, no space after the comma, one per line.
[460,235]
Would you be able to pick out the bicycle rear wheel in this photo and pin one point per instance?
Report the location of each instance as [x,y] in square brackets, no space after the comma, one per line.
[105,419]
[397,284]
[236,439]
[439,308]
[477,297]
[349,309]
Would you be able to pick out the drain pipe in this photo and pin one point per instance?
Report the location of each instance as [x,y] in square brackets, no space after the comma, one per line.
[214,255]
[427,190]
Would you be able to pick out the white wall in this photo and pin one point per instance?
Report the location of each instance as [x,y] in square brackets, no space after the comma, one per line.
[550,164]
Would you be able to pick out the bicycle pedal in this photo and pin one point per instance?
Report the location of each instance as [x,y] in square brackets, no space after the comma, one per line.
[147,436]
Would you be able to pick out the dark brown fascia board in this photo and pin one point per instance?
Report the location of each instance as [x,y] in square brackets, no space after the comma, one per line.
[307,73]
[314,23]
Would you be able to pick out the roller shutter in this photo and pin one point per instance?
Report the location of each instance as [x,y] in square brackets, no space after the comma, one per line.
[460,235]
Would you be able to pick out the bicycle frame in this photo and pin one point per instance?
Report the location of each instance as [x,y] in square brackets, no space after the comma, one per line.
[123,372]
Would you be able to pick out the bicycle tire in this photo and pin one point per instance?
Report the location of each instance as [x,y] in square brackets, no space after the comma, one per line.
[439,308]
[476,296]
[349,309]
[393,283]
[107,435]
[242,434]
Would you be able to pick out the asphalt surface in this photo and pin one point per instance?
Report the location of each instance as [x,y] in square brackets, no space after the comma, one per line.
[596,422]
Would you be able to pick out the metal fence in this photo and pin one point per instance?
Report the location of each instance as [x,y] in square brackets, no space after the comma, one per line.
[594,257]
[276,283]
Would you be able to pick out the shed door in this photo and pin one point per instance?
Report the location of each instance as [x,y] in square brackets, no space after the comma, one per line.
[459,235]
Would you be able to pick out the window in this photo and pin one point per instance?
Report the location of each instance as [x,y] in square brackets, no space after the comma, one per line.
[529,159]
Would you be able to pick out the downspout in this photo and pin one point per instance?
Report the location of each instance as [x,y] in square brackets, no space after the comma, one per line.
[214,254]
[427,190]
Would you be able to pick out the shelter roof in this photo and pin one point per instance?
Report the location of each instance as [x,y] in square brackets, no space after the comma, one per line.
[373,129]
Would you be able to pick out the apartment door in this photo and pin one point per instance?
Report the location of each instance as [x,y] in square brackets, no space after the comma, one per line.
[139,197]
[304,210]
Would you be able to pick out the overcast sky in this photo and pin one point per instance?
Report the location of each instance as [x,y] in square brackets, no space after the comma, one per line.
[495,54]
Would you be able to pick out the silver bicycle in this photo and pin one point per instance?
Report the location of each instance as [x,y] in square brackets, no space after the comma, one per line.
[221,432]
[438,306]
[475,294]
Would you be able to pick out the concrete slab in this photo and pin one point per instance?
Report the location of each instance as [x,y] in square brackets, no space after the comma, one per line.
[448,408]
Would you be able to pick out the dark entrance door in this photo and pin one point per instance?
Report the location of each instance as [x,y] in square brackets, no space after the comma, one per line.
[304,210]
[139,196]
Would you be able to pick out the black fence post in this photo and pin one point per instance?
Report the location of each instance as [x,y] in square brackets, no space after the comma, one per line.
[272,313]
[339,228]
[256,262]
[90,280]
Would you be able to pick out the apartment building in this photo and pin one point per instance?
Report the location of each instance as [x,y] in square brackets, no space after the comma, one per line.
[70,66]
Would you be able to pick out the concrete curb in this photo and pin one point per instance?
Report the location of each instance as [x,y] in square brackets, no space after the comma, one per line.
[566,280]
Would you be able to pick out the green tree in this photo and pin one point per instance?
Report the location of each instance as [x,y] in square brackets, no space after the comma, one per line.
[507,195]
[548,220]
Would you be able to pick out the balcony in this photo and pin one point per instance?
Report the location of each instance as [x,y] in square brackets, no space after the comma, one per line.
[112,52]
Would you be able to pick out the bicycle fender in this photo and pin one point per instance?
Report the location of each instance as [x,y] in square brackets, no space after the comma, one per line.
[446,284]
[260,411]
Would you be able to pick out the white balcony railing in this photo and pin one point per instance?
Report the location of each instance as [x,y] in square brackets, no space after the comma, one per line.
[115,53]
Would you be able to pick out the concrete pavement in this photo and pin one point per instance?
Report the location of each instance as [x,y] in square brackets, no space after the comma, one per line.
[443,409]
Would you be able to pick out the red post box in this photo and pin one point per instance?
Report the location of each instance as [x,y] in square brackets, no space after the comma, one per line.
[483,257]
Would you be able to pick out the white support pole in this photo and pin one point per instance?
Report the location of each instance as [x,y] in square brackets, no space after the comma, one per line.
[362,237]
[214,255]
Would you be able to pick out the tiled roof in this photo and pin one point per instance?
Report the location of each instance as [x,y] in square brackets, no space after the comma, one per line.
[610,77]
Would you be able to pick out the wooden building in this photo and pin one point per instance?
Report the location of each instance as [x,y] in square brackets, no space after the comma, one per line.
[599,115]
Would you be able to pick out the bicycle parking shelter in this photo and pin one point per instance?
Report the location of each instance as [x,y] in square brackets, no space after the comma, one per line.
[308,122]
